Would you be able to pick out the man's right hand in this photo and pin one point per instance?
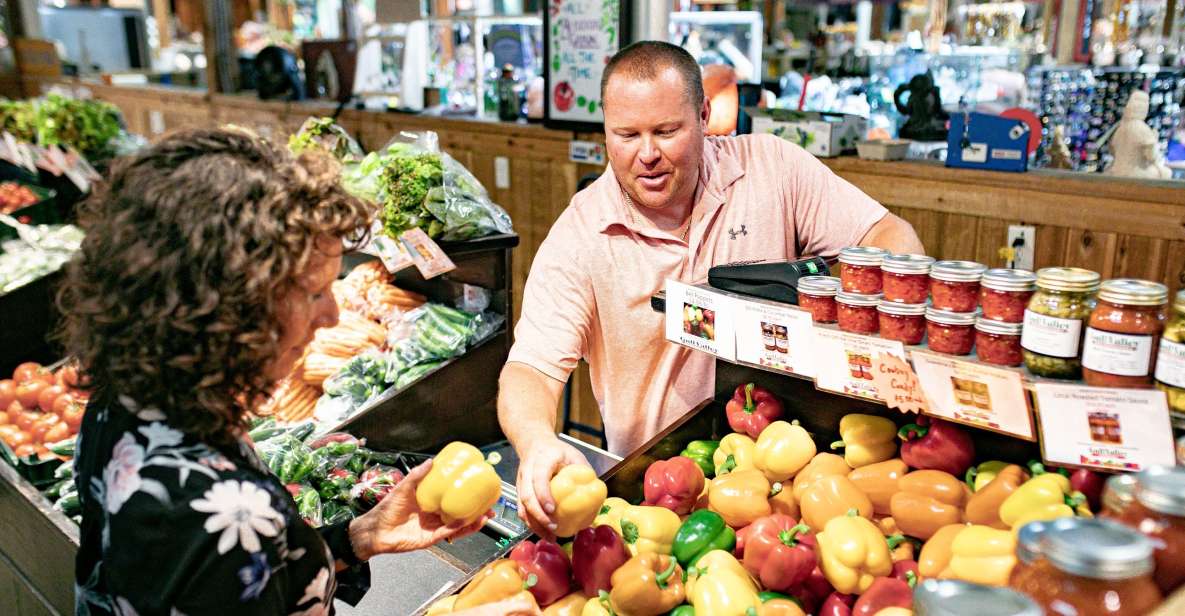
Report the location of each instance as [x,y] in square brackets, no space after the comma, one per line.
[543,458]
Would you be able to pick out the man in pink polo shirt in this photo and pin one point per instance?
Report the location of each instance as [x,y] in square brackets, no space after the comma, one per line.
[672,205]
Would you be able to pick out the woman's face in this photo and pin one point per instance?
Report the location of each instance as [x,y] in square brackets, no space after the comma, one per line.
[307,306]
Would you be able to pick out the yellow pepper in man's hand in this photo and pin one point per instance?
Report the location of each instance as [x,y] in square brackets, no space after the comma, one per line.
[866,439]
[578,495]
[735,453]
[719,585]
[852,553]
[461,486]
[649,529]
[982,555]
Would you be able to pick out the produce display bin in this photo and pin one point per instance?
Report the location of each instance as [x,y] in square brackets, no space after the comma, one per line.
[37,549]
[29,315]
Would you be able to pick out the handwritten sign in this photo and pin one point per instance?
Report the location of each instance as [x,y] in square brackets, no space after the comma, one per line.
[844,361]
[1099,427]
[581,36]
[898,384]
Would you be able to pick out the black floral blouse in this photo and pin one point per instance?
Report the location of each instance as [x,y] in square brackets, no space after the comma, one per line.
[172,526]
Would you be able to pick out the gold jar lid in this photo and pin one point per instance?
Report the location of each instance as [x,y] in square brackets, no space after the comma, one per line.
[1073,279]
[1179,304]
[1134,292]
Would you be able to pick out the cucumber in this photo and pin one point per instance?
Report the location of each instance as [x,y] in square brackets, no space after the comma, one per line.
[69,504]
[55,491]
[65,471]
[65,447]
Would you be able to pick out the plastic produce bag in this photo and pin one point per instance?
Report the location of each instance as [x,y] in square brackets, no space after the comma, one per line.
[308,503]
[289,458]
[323,133]
[374,485]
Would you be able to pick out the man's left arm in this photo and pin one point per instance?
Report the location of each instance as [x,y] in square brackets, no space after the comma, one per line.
[895,235]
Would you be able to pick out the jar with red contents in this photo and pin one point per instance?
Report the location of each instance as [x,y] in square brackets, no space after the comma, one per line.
[1004,294]
[998,343]
[857,312]
[904,323]
[954,285]
[906,278]
[950,332]
[1158,511]
[816,294]
[860,269]
[1123,332]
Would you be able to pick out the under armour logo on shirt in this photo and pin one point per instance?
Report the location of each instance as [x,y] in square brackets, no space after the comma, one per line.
[732,233]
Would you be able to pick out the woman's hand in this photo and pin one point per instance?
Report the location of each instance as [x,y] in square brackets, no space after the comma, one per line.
[397,524]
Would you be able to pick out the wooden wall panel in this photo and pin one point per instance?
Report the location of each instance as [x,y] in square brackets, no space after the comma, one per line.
[1174,275]
[1092,250]
[957,237]
[1051,246]
[991,236]
[1140,257]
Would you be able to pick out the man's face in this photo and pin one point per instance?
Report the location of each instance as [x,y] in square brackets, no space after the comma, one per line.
[654,138]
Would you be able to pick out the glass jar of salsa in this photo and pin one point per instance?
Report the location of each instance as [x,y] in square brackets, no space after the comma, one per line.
[959,598]
[997,342]
[1030,563]
[950,332]
[1158,511]
[1123,333]
[860,269]
[954,285]
[857,312]
[905,323]
[1004,294]
[816,294]
[1170,359]
[1098,568]
[1052,336]
[1118,492]
[907,278]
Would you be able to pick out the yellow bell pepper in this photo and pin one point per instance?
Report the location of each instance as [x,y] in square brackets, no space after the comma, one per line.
[496,581]
[1044,497]
[783,449]
[982,555]
[822,465]
[578,495]
[442,606]
[735,453]
[867,439]
[649,529]
[610,513]
[597,606]
[461,486]
[571,605]
[852,553]
[937,551]
[979,476]
[719,585]
[894,611]
[740,497]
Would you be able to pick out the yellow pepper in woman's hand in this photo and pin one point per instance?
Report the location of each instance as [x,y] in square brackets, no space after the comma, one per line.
[578,495]
[461,486]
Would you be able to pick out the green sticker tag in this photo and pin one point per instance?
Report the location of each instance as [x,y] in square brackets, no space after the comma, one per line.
[810,265]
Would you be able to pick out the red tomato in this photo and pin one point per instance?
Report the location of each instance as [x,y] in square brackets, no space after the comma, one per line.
[29,392]
[68,376]
[48,395]
[32,371]
[7,393]
[16,439]
[25,450]
[7,431]
[73,416]
[14,411]
[59,432]
[41,426]
[63,402]
[26,419]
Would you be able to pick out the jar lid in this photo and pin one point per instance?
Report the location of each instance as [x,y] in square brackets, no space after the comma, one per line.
[1162,489]
[947,317]
[1074,279]
[858,299]
[1134,292]
[1030,536]
[1119,491]
[907,264]
[819,285]
[1099,549]
[862,255]
[1005,279]
[957,271]
[899,309]
[958,598]
[1000,328]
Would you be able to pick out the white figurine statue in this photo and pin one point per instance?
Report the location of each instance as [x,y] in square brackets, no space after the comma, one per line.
[1135,145]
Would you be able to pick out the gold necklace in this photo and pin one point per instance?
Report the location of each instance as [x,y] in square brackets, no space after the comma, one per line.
[633,219]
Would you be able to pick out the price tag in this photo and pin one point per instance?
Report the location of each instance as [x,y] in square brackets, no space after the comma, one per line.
[974,394]
[775,336]
[1106,428]
[700,318]
[426,254]
[898,384]
[393,254]
[845,361]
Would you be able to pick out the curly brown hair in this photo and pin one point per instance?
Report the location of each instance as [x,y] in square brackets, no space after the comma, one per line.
[174,296]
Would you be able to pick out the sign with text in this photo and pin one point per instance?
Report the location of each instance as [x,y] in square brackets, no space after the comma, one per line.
[897,384]
[974,394]
[579,37]
[426,254]
[1106,428]
[845,361]
[774,336]
[701,319]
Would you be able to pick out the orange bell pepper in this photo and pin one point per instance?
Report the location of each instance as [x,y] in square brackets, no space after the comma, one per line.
[879,482]
[927,501]
[740,497]
[496,581]
[984,506]
[571,605]
[937,551]
[822,465]
[782,500]
[831,497]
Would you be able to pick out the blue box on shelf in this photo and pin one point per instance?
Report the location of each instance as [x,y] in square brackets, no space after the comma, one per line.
[984,141]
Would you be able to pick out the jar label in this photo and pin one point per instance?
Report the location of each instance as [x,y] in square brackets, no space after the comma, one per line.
[1119,354]
[1052,336]
[1170,363]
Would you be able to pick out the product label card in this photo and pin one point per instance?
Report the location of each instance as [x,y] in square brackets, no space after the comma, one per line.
[775,336]
[974,394]
[702,319]
[1170,363]
[1051,336]
[1106,428]
[426,254]
[898,384]
[1121,354]
[844,361]
[394,254]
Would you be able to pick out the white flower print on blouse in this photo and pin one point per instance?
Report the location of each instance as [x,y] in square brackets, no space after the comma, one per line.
[318,591]
[241,512]
[146,414]
[122,475]
[159,435]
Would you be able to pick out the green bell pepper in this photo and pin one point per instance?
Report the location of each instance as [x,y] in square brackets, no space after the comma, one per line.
[702,532]
[682,610]
[768,595]
[701,452]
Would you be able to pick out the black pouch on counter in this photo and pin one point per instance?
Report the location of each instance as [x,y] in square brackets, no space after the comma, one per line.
[772,281]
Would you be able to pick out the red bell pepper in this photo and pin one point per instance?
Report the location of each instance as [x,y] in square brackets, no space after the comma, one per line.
[1090,484]
[675,484]
[906,571]
[545,568]
[596,553]
[884,592]
[837,604]
[779,552]
[934,444]
[812,592]
[751,409]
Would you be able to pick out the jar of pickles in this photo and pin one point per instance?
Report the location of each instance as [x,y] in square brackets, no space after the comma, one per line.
[959,598]
[1170,359]
[1158,511]
[997,342]
[857,312]
[816,294]
[950,332]
[905,323]
[954,285]
[860,269]
[1123,332]
[1057,313]
[907,278]
[1004,294]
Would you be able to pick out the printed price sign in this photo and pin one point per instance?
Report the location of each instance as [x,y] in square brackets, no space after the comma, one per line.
[426,254]
[845,361]
[1106,428]
[775,336]
[701,318]
[974,394]
[898,384]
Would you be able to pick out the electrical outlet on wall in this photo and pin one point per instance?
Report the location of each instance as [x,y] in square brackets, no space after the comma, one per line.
[501,172]
[1022,239]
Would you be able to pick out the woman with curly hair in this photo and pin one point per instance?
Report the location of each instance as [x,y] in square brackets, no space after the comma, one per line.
[205,271]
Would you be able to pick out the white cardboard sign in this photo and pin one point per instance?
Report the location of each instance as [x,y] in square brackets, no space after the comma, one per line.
[701,319]
[1106,428]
